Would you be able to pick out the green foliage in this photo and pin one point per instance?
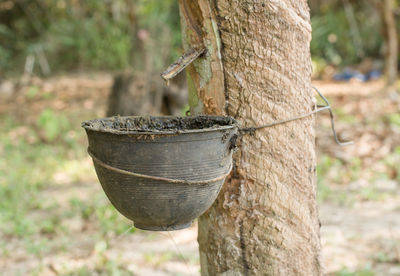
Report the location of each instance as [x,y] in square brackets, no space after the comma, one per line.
[381,257]
[27,169]
[332,38]
[363,272]
[110,221]
[89,43]
[32,92]
[29,215]
[110,268]
[394,119]
[162,19]
[83,34]
[52,124]
[333,174]
[99,34]
[393,161]
[5,52]
[30,167]
[38,247]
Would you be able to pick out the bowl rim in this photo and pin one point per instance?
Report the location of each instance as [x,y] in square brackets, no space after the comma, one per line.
[88,127]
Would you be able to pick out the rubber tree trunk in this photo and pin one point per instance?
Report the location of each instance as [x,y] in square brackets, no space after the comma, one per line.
[391,55]
[257,69]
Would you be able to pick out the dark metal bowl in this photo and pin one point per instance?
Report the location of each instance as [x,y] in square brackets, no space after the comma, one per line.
[161,172]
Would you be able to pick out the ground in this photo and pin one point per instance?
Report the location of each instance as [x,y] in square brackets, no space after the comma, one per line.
[55,219]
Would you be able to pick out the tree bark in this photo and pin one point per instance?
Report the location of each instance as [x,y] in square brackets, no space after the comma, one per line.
[391,55]
[257,69]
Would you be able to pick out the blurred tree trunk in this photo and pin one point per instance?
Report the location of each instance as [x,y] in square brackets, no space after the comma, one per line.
[257,68]
[130,91]
[391,39]
[139,90]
